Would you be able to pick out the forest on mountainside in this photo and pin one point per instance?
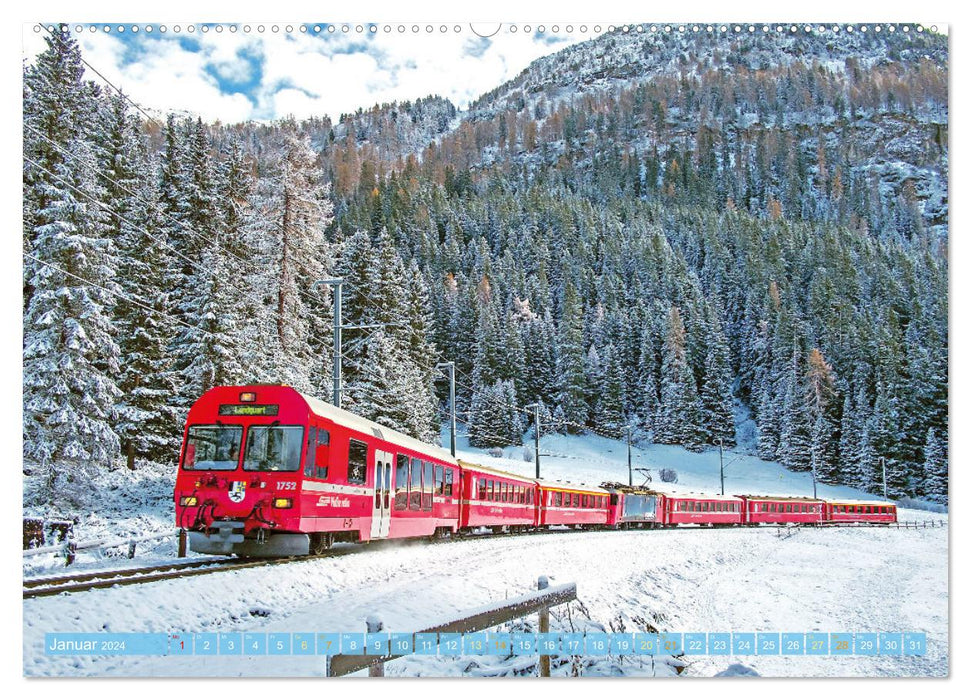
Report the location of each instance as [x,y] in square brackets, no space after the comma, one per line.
[661,232]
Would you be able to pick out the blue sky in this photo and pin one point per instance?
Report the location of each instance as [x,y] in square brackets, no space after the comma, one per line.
[314,69]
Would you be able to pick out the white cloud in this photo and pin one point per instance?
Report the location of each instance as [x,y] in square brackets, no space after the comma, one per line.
[308,75]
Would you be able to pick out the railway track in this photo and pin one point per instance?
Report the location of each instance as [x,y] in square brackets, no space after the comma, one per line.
[91,580]
[53,585]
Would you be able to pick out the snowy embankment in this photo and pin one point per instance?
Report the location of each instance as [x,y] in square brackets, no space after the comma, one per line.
[690,580]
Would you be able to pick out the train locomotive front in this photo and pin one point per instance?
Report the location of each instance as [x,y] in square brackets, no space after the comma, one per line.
[237,489]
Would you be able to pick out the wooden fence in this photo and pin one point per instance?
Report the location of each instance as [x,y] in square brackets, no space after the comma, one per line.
[474,620]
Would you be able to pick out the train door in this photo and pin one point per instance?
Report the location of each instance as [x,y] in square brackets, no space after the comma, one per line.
[381,515]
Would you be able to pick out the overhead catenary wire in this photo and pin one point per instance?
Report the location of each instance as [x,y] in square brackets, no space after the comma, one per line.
[248,261]
[101,75]
[118,294]
[253,264]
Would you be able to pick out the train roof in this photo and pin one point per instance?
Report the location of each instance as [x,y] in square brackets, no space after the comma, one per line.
[352,420]
[809,499]
[699,496]
[492,470]
[854,502]
[567,486]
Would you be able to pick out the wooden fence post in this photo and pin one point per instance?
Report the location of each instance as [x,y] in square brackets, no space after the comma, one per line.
[544,628]
[131,549]
[70,551]
[374,625]
[182,542]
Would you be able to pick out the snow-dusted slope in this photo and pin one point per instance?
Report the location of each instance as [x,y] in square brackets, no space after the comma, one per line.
[591,459]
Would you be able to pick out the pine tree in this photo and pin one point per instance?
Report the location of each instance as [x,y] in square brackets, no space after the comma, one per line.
[70,356]
[206,350]
[494,419]
[572,396]
[716,393]
[820,400]
[294,211]
[885,438]
[851,441]
[795,440]
[55,105]
[612,398]
[146,420]
[935,468]
[680,415]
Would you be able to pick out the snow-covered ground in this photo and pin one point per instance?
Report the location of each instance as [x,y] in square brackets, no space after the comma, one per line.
[693,580]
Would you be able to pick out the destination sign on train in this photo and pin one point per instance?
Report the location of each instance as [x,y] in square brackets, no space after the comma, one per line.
[248,409]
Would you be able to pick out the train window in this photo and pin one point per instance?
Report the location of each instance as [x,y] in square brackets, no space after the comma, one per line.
[357,462]
[439,479]
[378,482]
[788,507]
[428,486]
[414,491]
[557,498]
[583,501]
[308,464]
[483,489]
[401,483]
[491,493]
[322,453]
[213,447]
[529,497]
[272,448]
[447,488]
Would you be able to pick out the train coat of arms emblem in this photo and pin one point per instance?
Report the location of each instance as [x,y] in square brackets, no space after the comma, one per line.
[237,491]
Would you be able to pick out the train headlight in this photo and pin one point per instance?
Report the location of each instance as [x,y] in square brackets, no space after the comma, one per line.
[282,502]
[188,501]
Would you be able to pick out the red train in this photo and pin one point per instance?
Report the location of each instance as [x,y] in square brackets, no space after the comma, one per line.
[268,471]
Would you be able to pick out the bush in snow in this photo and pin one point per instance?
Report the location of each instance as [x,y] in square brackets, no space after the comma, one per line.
[668,476]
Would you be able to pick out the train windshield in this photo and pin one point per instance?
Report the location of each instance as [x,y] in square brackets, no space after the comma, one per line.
[273,449]
[213,447]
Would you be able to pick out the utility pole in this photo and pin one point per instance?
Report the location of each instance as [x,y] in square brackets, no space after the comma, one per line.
[721,465]
[451,399]
[535,407]
[630,464]
[883,468]
[337,283]
[814,478]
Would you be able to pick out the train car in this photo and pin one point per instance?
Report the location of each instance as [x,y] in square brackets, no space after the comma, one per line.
[568,504]
[268,471]
[860,511]
[783,509]
[703,509]
[633,507]
[496,499]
